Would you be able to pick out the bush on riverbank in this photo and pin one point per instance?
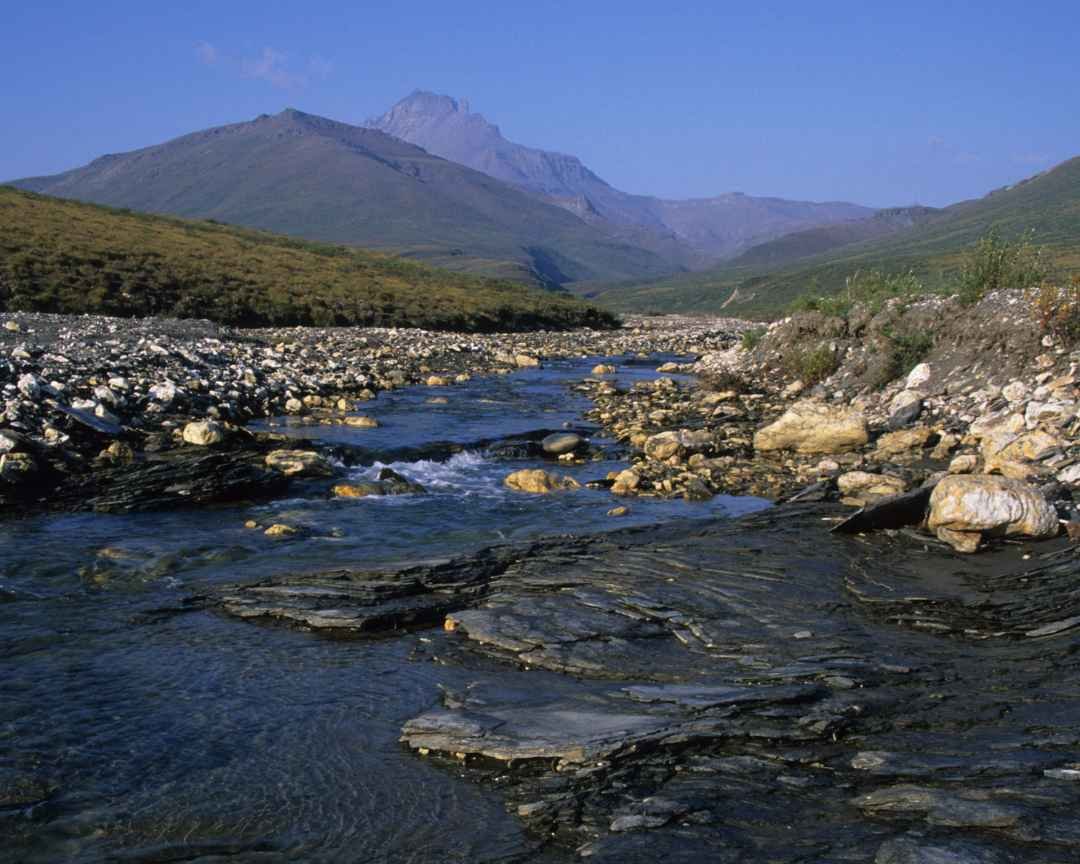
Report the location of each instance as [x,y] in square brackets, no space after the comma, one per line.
[69,257]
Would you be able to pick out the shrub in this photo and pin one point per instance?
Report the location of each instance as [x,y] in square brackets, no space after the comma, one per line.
[995,263]
[869,288]
[752,338]
[811,365]
[1057,309]
[902,352]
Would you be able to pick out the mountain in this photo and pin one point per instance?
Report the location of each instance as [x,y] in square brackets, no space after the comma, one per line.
[933,246]
[66,256]
[705,229]
[315,178]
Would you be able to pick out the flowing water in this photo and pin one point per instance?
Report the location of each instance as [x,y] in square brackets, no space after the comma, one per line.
[195,737]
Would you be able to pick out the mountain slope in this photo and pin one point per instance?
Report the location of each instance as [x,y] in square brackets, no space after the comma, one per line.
[707,228]
[65,256]
[315,178]
[1047,204]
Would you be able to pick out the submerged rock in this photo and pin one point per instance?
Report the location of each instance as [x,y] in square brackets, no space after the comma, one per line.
[814,427]
[966,508]
[561,442]
[300,463]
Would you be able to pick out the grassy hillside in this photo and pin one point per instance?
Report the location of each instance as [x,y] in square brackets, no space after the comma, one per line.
[1047,205]
[63,256]
[306,176]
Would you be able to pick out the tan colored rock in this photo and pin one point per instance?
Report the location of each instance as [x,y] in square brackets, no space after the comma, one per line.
[525,361]
[203,433]
[603,369]
[964,509]
[621,510]
[679,443]
[626,482]
[356,490]
[280,530]
[437,381]
[539,482]
[117,452]
[866,486]
[964,464]
[814,427]
[902,441]
[298,462]
[360,421]
[946,444]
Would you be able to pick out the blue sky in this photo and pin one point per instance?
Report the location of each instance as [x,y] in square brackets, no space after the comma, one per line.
[918,102]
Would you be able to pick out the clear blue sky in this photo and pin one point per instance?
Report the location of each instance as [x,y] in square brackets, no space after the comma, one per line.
[927,102]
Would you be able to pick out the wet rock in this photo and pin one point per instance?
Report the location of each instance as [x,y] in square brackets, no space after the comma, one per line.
[359,421]
[965,509]
[626,482]
[279,529]
[299,463]
[525,361]
[680,442]
[203,433]
[361,489]
[118,452]
[559,443]
[621,510]
[17,473]
[889,513]
[603,369]
[539,482]
[393,483]
[437,381]
[921,850]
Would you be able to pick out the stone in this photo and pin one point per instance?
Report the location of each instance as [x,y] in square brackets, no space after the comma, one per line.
[902,441]
[626,482]
[437,381]
[294,406]
[966,508]
[356,490]
[11,441]
[12,326]
[525,361]
[1070,475]
[559,443]
[293,463]
[621,510]
[866,486]
[118,452]
[603,369]
[814,427]
[16,469]
[281,530]
[965,464]
[203,433]
[393,483]
[905,408]
[538,482]
[29,386]
[1014,392]
[680,443]
[360,421]
[164,393]
[918,377]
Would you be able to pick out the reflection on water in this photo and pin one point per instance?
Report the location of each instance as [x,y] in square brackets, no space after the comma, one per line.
[190,737]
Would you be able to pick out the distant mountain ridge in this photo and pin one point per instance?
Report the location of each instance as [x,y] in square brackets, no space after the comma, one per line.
[319,179]
[708,228]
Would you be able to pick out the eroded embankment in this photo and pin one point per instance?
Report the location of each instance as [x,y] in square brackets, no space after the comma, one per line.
[746,690]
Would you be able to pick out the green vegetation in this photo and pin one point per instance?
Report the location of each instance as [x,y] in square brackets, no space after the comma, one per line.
[63,256]
[996,263]
[871,288]
[811,365]
[904,350]
[1044,209]
[752,338]
[1057,308]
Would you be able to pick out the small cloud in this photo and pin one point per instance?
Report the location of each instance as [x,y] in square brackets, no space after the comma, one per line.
[270,66]
[207,53]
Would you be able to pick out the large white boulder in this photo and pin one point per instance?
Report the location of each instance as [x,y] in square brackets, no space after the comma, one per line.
[965,508]
[814,427]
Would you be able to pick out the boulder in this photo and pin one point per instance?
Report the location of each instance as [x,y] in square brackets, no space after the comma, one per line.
[626,482]
[437,381]
[603,369]
[203,433]
[362,489]
[905,408]
[681,442]
[918,377]
[525,361]
[966,508]
[281,530]
[965,464]
[539,482]
[902,441]
[393,483]
[559,443]
[359,421]
[305,463]
[814,427]
[864,487]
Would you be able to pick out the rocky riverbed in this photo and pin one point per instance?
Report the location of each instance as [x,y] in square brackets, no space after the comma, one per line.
[834,679]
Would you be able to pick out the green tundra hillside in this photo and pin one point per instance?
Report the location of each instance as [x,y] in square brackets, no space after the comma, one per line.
[64,256]
[1047,206]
